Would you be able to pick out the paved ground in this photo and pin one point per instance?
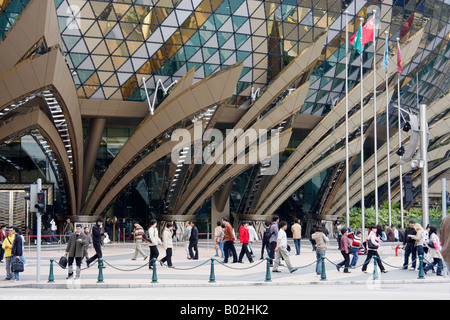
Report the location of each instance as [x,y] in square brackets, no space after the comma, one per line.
[122,272]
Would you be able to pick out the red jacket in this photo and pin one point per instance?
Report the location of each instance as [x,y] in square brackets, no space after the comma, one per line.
[244,235]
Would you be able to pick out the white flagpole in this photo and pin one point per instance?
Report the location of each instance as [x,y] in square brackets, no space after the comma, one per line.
[400,138]
[347,165]
[363,214]
[375,121]
[388,135]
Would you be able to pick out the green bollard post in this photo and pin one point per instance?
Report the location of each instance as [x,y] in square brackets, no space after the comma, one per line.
[323,276]
[212,276]
[268,275]
[154,277]
[421,271]
[51,277]
[100,271]
[375,268]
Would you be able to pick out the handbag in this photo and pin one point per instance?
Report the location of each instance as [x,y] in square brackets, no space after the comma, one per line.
[63,262]
[17,266]
[370,245]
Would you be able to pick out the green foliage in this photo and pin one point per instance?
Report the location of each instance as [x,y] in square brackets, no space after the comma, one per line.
[383,217]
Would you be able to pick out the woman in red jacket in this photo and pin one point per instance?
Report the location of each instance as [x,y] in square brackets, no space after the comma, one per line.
[244,237]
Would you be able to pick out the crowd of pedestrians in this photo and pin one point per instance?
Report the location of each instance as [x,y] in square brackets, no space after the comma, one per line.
[430,243]
[417,241]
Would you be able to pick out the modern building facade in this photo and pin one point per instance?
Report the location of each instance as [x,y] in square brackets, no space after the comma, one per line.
[92,92]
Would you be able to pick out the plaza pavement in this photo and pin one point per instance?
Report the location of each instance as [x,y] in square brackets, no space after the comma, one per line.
[122,272]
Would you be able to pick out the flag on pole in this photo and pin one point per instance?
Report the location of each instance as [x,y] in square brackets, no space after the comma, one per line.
[399,60]
[364,35]
[368,31]
[386,55]
[356,40]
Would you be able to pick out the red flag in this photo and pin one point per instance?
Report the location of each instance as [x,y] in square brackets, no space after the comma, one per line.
[399,61]
[368,31]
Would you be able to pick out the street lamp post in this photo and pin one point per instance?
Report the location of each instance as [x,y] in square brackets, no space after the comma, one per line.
[424,161]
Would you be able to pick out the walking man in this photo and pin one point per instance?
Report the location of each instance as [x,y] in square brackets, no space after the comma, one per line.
[138,233]
[53,229]
[273,238]
[229,242]
[193,242]
[67,231]
[97,241]
[281,249]
[297,235]
[265,240]
[75,251]
[154,241]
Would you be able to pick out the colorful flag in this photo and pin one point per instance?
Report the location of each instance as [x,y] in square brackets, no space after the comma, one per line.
[368,31]
[386,55]
[356,40]
[399,61]
[364,35]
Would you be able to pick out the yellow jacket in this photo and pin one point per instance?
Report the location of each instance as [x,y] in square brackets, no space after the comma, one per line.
[7,245]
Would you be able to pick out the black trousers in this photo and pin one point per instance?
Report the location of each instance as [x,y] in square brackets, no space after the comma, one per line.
[346,261]
[370,254]
[229,246]
[77,261]
[168,257]
[272,246]
[246,251]
[265,245]
[154,253]
[193,246]
[98,253]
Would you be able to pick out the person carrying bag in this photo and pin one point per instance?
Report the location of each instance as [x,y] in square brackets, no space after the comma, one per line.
[16,252]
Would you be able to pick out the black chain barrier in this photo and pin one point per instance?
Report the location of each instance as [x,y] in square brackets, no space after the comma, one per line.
[269,264]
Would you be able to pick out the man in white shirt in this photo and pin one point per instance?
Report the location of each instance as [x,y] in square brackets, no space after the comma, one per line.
[53,229]
[253,237]
[281,249]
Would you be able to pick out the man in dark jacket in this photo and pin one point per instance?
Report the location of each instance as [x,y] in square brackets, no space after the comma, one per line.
[97,241]
[273,238]
[193,241]
[408,246]
[229,237]
[75,250]
[16,251]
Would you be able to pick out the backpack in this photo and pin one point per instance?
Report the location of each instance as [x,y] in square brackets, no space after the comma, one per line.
[266,235]
[146,237]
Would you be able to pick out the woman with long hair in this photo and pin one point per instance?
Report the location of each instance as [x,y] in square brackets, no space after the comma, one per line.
[435,248]
[419,238]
